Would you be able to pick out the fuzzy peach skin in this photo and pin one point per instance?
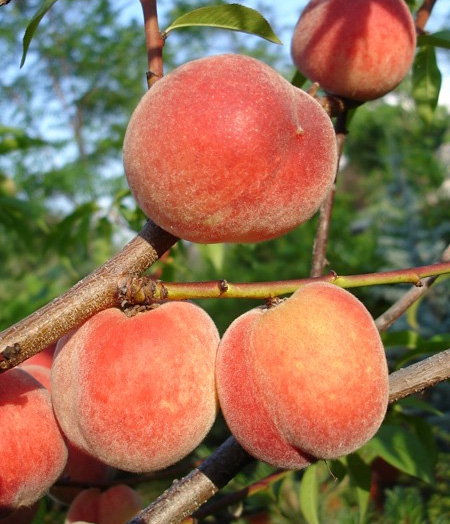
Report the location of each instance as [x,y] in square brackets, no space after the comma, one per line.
[358,49]
[32,449]
[80,467]
[138,393]
[116,505]
[240,401]
[43,358]
[316,365]
[224,149]
[40,373]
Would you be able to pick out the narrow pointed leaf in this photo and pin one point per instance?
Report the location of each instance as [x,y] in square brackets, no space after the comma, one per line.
[234,17]
[361,476]
[439,39]
[309,495]
[32,26]
[402,449]
[426,82]
[298,80]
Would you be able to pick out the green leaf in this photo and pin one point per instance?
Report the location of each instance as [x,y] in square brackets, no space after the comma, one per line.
[32,26]
[298,80]
[439,39]
[361,476]
[403,450]
[233,16]
[309,495]
[405,338]
[426,82]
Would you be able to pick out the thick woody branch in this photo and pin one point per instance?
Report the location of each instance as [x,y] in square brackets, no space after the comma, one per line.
[94,293]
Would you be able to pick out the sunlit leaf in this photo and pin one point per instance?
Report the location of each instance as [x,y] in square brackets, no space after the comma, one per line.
[426,82]
[234,17]
[309,495]
[32,26]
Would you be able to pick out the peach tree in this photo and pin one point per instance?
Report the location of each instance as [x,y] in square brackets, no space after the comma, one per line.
[225,150]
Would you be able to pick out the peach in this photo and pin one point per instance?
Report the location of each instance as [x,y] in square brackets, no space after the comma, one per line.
[43,358]
[31,446]
[359,50]
[80,467]
[116,505]
[224,149]
[40,373]
[304,380]
[138,393]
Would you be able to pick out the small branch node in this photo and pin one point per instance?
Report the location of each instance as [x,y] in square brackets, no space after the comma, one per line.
[223,286]
[150,74]
[333,275]
[271,302]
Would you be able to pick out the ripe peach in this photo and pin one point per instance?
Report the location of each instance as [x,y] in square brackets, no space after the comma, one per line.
[314,374]
[223,149]
[43,358]
[360,50]
[40,373]
[116,505]
[31,446]
[80,467]
[138,393]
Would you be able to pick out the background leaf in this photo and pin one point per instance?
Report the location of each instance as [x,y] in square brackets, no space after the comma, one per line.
[32,26]
[309,495]
[403,450]
[426,82]
[360,475]
[233,16]
[439,39]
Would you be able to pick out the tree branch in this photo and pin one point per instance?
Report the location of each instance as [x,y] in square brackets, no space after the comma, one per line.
[136,290]
[405,301]
[154,41]
[423,14]
[319,260]
[94,293]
